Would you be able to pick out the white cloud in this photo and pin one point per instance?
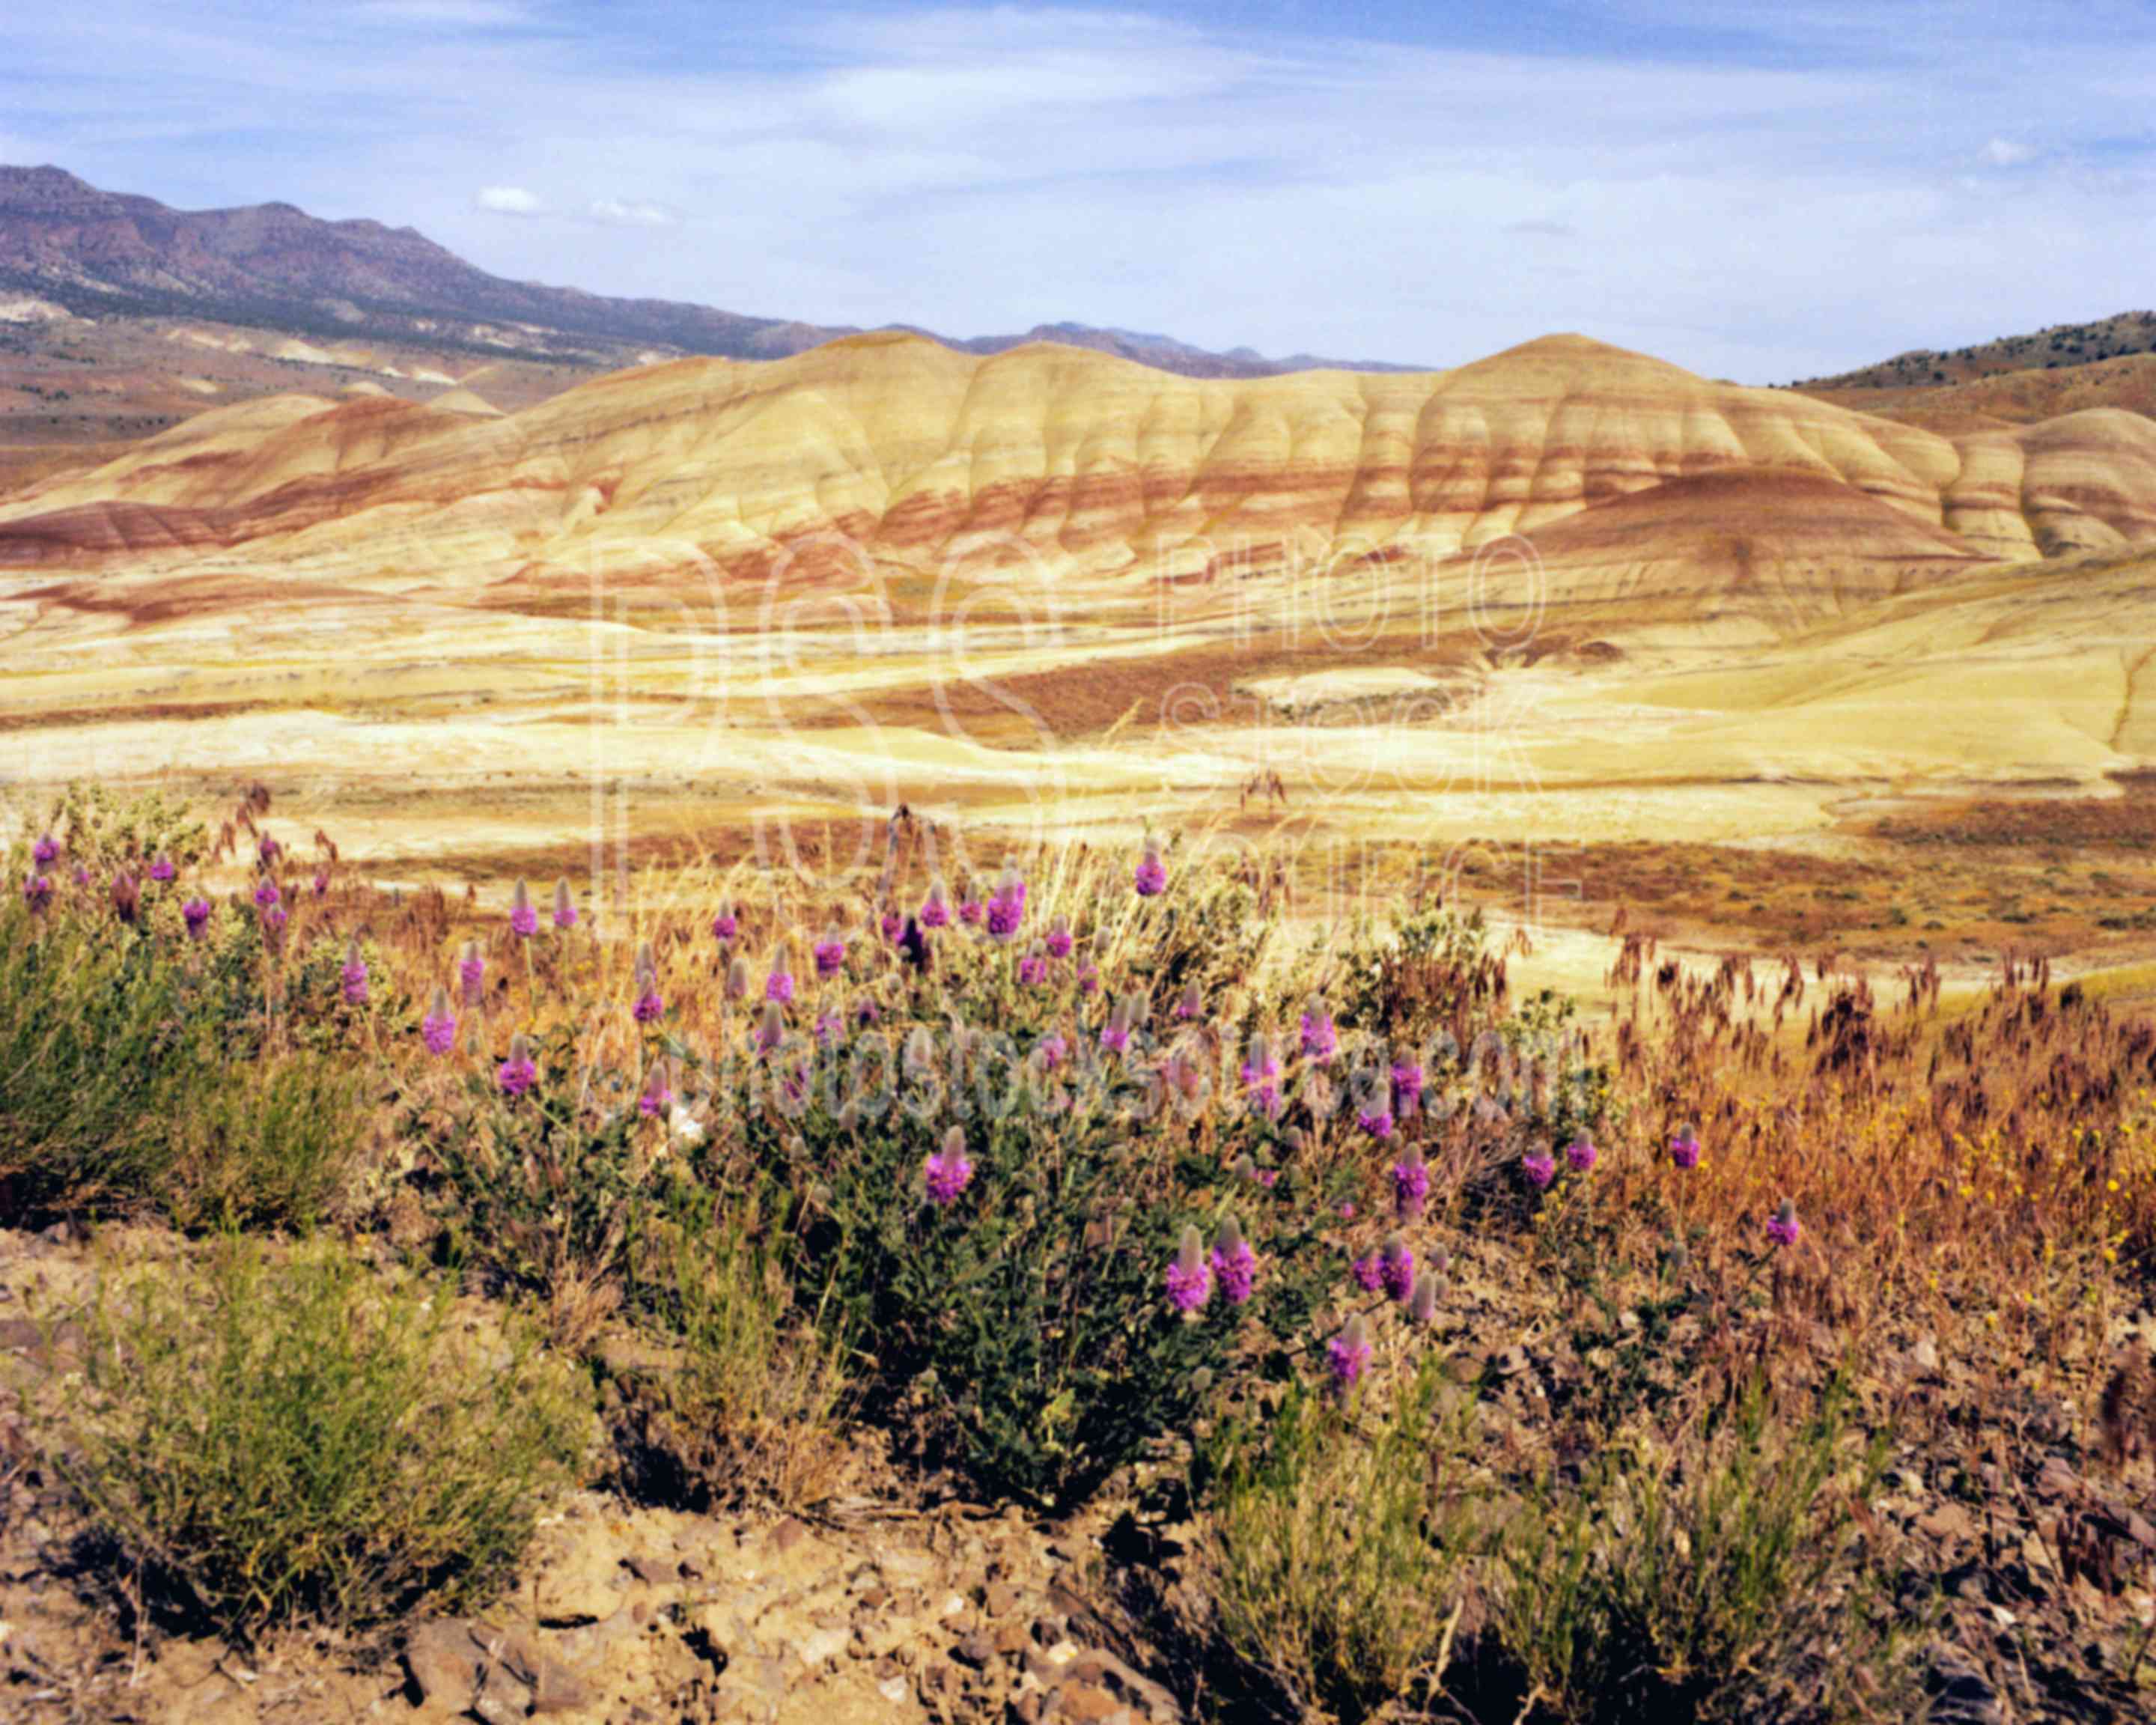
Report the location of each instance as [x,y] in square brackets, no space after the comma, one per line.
[510,201]
[1790,206]
[617,213]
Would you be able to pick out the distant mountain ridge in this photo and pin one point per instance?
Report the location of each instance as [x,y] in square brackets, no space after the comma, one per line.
[99,253]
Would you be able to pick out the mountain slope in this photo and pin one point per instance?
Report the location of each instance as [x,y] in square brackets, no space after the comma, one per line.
[64,243]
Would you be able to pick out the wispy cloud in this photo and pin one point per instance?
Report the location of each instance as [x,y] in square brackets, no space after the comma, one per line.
[618,214]
[510,201]
[1754,194]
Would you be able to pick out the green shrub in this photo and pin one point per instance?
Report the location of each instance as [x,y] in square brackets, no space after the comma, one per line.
[125,1077]
[277,1438]
[1028,1321]
[745,1395]
[265,1144]
[1652,1592]
[1338,1551]
[546,1192]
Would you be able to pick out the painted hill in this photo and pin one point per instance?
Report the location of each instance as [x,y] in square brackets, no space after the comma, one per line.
[1068,461]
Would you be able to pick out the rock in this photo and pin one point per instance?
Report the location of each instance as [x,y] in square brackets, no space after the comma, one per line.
[785,1536]
[976,1650]
[819,1647]
[445,1663]
[1000,1599]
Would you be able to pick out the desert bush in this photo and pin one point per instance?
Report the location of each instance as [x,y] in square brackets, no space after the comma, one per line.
[119,1084]
[1338,1546]
[1661,1583]
[273,1438]
[543,1191]
[1026,1317]
[729,1390]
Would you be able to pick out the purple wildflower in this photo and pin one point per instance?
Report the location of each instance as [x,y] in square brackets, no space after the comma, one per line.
[936,908]
[37,892]
[1349,1354]
[523,919]
[322,882]
[830,953]
[1540,1167]
[1368,1274]
[1189,1277]
[658,1091]
[161,870]
[1033,969]
[438,1030]
[268,849]
[82,874]
[1783,1227]
[1319,1038]
[1377,1120]
[778,986]
[266,893]
[1684,1149]
[1261,1078]
[273,920]
[565,906]
[196,913]
[1059,937]
[1234,1263]
[1581,1153]
[893,927]
[1007,904]
[948,1172]
[1051,1050]
[771,1028]
[46,851]
[1407,1088]
[970,912]
[519,1072]
[725,925]
[1396,1266]
[354,975]
[650,1005]
[1089,981]
[471,974]
[1150,877]
[1411,1183]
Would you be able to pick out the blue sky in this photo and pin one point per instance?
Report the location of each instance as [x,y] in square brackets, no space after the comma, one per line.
[1752,193]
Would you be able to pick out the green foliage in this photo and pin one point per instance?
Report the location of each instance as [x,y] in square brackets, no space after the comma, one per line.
[1029,1318]
[545,1191]
[121,1082]
[1338,1545]
[1650,1593]
[275,1437]
[746,1395]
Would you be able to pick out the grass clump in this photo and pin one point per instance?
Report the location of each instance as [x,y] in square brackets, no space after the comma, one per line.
[746,1396]
[270,1439]
[1338,1552]
[1667,1583]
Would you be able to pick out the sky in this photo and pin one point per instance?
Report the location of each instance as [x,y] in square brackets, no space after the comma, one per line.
[1756,193]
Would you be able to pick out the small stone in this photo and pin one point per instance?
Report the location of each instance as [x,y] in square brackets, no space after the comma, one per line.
[975,1650]
[1000,1599]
